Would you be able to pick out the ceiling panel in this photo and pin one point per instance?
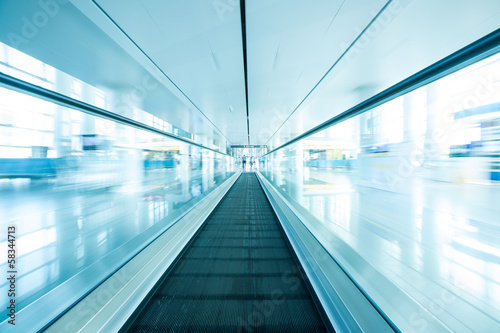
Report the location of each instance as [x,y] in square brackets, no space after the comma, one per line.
[198,48]
[81,42]
[406,39]
[291,46]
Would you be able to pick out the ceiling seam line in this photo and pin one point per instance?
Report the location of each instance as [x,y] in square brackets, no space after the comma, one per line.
[335,16]
[330,69]
[245,68]
[157,67]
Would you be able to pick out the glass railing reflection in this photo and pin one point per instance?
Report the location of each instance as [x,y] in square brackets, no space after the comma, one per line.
[89,191]
[412,187]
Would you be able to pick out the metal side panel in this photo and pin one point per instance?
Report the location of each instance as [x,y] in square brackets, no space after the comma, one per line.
[345,305]
[109,306]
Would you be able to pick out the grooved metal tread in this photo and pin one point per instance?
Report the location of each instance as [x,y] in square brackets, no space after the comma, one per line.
[237,275]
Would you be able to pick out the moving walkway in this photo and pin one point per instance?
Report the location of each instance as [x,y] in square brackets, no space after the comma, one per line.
[241,260]
[237,274]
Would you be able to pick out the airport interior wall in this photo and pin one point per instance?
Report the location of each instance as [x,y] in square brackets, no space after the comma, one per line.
[407,190]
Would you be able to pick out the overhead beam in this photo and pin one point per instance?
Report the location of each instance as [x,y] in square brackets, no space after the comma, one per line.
[244,42]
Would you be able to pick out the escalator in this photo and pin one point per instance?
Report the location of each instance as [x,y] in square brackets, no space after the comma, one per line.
[236,275]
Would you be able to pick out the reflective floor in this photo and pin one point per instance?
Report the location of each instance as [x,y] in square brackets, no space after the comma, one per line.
[438,242]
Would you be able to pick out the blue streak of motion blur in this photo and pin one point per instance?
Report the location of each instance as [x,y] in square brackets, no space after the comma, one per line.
[85,193]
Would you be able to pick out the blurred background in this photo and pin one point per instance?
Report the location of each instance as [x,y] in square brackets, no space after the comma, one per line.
[413,187]
[81,188]
[404,196]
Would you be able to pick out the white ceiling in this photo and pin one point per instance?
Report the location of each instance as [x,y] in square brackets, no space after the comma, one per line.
[78,46]
[198,51]
[298,73]
[409,36]
[291,45]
